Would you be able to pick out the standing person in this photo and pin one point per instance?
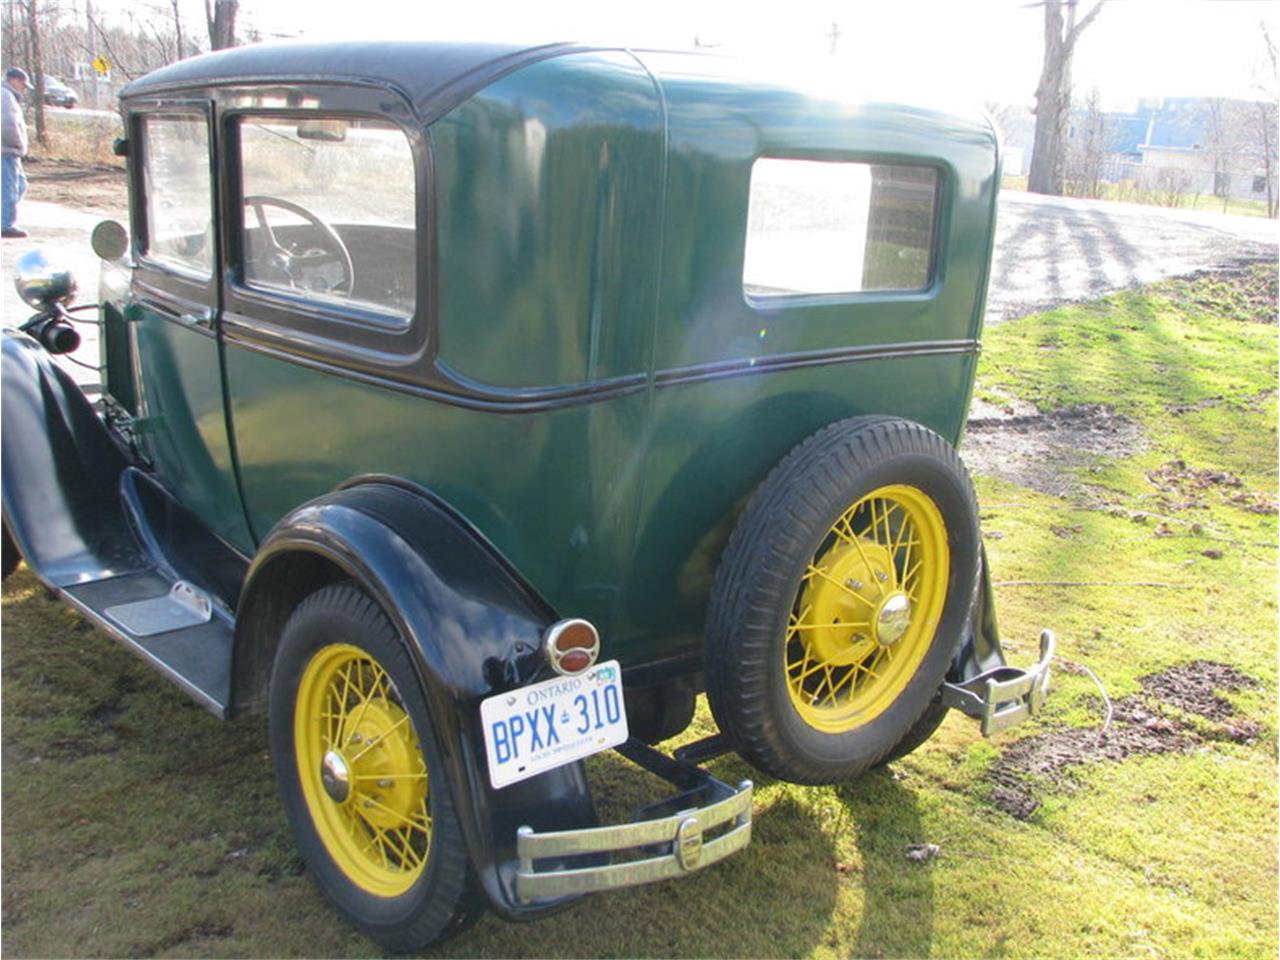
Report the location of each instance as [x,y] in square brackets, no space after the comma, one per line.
[13,147]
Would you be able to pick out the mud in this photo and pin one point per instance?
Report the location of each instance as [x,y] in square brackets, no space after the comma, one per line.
[1038,450]
[1157,720]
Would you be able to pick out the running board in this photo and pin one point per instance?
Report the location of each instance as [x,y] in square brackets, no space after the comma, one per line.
[108,537]
[192,651]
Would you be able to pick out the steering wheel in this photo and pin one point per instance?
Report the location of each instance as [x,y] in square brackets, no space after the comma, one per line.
[279,262]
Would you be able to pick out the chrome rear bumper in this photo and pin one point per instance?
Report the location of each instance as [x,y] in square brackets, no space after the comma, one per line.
[675,844]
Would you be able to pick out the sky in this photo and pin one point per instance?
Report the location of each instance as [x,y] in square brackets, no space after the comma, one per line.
[973,50]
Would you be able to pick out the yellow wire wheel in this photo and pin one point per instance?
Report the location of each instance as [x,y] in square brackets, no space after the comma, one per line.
[360,775]
[362,770]
[840,600]
[867,608]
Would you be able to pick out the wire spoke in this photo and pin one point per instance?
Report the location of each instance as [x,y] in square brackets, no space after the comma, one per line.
[355,725]
[371,835]
[379,738]
[850,676]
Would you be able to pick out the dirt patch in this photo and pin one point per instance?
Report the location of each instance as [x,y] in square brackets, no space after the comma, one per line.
[1037,450]
[1193,688]
[88,187]
[1244,291]
[1142,723]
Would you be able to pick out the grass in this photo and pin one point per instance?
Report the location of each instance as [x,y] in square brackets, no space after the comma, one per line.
[75,139]
[134,824]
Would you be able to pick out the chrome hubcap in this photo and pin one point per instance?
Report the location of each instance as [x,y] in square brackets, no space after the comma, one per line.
[336,776]
[893,619]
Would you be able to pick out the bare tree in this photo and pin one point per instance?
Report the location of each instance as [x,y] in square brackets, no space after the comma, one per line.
[221,16]
[1265,117]
[1226,137]
[37,70]
[177,29]
[1087,149]
[1053,94]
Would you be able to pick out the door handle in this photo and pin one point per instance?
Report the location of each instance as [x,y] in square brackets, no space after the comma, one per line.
[197,318]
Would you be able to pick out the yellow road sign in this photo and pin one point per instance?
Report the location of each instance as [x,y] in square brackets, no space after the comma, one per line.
[102,65]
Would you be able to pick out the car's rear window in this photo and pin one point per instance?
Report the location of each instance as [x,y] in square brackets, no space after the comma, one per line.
[179,197]
[834,227]
[329,211]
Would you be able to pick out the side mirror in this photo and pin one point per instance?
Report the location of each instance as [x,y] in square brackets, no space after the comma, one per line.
[43,282]
[109,240]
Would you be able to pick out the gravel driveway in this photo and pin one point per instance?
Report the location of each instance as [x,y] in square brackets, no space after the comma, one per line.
[1054,250]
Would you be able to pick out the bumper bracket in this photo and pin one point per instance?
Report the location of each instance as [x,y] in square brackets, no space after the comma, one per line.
[1005,695]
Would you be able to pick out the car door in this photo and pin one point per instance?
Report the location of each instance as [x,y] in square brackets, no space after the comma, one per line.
[182,423]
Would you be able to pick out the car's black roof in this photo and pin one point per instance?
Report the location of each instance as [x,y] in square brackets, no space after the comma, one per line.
[428,75]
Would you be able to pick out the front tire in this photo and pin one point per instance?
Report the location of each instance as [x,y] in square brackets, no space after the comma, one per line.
[360,776]
[841,599]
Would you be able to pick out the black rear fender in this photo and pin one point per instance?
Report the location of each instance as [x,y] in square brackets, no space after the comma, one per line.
[473,628]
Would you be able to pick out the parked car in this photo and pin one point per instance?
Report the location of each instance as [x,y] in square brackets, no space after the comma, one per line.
[58,94]
[471,408]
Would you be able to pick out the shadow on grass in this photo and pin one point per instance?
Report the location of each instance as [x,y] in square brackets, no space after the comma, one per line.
[898,897]
[135,824]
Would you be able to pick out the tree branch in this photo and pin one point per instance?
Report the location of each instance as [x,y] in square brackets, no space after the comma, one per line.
[1079,27]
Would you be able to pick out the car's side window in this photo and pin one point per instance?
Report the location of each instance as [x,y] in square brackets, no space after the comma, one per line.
[835,227]
[328,212]
[178,193]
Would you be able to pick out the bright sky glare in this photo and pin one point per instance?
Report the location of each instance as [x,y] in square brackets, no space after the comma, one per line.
[966,49]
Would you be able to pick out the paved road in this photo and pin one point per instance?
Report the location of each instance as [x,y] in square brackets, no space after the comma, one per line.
[1053,250]
[1048,251]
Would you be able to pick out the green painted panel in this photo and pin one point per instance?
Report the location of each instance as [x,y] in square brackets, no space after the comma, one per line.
[719,124]
[183,421]
[547,188]
[555,492]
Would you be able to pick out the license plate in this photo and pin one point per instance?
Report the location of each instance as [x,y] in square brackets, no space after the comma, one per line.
[540,727]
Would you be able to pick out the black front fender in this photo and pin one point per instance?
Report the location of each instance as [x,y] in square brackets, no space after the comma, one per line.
[473,628]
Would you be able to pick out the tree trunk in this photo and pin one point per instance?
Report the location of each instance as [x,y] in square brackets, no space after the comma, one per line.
[37,70]
[177,29]
[222,23]
[1053,94]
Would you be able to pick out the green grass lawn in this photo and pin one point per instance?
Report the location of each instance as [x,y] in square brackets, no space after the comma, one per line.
[136,825]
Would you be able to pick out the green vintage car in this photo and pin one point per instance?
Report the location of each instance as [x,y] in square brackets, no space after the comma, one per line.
[472,408]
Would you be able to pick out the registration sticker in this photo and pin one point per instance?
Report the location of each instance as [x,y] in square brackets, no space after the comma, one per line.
[537,728]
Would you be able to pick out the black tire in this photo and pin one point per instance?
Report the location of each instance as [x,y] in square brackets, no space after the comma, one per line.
[11,556]
[917,734]
[443,900]
[787,524]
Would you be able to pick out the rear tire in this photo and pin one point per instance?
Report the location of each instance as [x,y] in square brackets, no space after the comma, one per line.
[360,776]
[841,599]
